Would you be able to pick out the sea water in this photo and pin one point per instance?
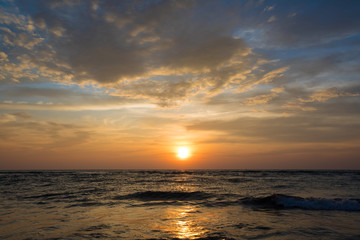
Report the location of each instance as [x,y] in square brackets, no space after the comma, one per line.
[169,204]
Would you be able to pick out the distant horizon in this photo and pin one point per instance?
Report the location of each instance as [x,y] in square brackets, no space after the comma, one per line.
[163,169]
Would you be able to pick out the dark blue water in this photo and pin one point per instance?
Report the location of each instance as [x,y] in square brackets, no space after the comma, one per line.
[171,204]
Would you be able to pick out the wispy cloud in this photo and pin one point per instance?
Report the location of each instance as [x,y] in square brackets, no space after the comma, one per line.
[321,95]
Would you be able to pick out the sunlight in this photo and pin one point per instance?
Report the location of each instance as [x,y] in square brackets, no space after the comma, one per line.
[183,152]
[186,226]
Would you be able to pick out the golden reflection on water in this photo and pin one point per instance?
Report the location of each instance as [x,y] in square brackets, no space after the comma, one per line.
[184,224]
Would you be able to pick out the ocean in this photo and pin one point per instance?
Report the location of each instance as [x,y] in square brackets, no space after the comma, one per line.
[171,204]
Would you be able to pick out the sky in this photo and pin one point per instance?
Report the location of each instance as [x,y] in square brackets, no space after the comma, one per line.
[125,84]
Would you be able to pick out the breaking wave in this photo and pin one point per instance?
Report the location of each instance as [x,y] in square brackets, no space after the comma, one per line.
[281,201]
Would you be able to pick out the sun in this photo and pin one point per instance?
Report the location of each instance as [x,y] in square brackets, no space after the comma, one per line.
[183,152]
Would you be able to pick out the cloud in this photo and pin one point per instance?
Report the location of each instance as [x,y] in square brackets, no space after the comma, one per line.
[62,97]
[7,118]
[278,89]
[269,8]
[323,95]
[129,46]
[3,57]
[261,99]
[297,129]
[170,91]
[20,129]
[164,52]
[272,19]
[12,18]
[322,22]
[319,96]
[204,54]
[22,40]
[264,98]
[332,61]
[23,115]
[270,76]
[295,105]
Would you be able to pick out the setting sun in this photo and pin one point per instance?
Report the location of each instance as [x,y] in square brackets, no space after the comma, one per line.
[183,152]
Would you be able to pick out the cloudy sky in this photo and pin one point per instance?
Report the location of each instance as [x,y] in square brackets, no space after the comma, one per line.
[123,84]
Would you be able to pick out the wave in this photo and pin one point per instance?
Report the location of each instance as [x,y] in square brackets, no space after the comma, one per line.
[281,201]
[165,195]
[238,180]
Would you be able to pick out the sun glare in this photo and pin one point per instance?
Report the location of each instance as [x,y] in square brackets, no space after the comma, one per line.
[183,152]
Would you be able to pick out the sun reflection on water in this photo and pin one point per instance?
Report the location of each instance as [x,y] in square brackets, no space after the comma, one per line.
[184,224]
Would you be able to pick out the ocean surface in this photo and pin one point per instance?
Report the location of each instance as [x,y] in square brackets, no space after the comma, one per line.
[168,204]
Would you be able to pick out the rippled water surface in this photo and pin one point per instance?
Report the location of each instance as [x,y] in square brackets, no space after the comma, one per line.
[180,205]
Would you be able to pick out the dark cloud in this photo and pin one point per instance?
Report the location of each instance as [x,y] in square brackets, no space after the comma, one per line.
[309,22]
[325,67]
[119,41]
[205,53]
[102,54]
